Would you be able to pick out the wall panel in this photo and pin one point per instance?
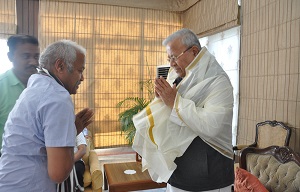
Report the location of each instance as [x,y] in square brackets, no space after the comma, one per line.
[270,32]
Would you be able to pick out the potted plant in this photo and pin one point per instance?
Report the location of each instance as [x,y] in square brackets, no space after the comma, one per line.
[134,105]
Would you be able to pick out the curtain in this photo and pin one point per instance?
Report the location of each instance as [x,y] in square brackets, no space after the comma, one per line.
[27,17]
[208,17]
[124,46]
[7,18]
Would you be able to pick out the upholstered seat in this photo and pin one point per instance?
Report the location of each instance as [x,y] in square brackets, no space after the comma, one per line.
[277,168]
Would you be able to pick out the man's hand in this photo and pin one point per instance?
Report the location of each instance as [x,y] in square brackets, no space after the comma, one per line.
[164,91]
[83,119]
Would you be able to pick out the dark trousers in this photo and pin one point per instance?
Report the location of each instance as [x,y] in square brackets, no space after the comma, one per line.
[80,168]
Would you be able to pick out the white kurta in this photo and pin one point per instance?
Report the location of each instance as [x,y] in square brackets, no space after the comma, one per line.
[203,107]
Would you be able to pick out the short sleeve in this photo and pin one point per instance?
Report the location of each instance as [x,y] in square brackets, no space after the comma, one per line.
[80,139]
[58,121]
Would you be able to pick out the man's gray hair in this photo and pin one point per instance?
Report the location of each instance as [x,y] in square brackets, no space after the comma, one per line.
[188,38]
[66,50]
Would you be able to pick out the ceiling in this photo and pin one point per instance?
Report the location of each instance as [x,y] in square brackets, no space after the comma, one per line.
[166,5]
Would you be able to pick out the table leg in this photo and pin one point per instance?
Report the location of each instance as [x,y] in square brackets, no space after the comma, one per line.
[105,181]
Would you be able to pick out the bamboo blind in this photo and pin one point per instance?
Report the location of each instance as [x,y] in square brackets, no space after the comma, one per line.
[209,17]
[124,46]
[7,18]
[270,67]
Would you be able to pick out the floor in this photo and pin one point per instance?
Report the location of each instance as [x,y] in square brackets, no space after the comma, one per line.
[118,155]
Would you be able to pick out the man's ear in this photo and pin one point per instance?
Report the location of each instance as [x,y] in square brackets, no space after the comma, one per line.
[59,66]
[10,56]
[195,50]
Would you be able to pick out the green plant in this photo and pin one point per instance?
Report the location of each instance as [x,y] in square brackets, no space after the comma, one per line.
[134,105]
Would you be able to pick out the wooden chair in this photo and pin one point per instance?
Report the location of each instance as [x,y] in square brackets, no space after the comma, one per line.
[277,168]
[268,133]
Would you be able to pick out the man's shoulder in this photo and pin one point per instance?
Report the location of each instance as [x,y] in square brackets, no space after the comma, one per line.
[9,78]
[4,76]
[47,87]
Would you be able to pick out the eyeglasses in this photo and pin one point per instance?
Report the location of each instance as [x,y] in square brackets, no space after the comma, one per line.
[174,58]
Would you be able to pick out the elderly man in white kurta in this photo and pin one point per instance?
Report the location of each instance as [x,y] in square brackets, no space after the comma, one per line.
[184,135]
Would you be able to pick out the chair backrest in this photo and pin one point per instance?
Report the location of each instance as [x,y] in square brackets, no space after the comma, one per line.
[270,133]
[277,168]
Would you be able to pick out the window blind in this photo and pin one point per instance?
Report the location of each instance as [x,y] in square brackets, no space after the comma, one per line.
[7,18]
[124,46]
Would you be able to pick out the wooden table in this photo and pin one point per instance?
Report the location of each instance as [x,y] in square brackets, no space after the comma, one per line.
[116,180]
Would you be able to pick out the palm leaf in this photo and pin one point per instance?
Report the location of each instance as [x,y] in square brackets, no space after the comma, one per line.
[134,105]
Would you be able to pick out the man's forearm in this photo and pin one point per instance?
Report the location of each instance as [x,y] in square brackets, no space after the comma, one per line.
[60,162]
[80,153]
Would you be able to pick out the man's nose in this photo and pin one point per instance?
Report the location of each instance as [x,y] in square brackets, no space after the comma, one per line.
[33,61]
[82,77]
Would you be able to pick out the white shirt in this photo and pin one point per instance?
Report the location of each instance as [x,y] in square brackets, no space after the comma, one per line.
[80,140]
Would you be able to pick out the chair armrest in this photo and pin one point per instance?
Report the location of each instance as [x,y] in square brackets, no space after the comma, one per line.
[95,169]
[239,147]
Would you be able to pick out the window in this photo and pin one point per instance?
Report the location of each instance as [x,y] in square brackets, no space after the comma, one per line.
[225,46]
[5,63]
[7,28]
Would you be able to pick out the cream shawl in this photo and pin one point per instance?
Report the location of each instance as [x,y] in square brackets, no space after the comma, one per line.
[203,107]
